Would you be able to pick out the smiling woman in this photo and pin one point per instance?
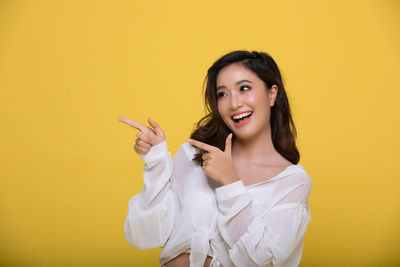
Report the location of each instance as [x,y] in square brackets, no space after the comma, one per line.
[243,100]
[262,72]
[233,194]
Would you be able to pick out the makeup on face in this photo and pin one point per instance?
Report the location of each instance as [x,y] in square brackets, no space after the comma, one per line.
[242,100]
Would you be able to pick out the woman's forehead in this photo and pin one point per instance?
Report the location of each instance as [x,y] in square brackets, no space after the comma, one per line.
[233,73]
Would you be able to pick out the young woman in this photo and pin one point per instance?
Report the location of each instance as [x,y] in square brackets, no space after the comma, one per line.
[233,195]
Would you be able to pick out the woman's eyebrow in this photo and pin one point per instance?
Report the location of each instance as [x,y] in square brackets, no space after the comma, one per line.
[237,83]
[243,81]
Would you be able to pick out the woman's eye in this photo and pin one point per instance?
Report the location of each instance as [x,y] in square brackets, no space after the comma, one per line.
[221,94]
[244,88]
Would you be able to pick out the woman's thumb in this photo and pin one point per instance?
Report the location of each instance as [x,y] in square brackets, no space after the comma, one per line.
[228,144]
[157,130]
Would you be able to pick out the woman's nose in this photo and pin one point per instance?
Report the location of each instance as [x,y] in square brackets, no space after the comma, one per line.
[236,101]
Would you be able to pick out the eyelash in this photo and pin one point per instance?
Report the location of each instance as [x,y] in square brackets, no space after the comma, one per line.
[245,86]
[221,94]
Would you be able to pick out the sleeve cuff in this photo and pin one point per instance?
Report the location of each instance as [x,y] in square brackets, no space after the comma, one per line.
[230,191]
[155,153]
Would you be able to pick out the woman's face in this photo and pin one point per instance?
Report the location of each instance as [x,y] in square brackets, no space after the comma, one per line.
[243,101]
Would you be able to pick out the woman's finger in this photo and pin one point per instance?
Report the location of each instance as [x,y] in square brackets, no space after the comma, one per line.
[228,144]
[143,144]
[136,125]
[140,149]
[141,135]
[201,145]
[132,123]
[206,156]
[155,127]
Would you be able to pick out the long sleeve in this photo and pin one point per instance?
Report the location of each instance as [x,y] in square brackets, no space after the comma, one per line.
[266,234]
[150,218]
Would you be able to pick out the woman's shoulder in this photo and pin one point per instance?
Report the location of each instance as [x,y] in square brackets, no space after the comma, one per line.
[295,175]
[299,170]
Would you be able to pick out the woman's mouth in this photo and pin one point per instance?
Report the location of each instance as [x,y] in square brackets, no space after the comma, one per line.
[242,118]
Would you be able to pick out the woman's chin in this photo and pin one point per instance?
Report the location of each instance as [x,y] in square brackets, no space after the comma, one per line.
[242,135]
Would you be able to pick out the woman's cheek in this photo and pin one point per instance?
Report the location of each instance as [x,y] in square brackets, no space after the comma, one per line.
[227,124]
[224,111]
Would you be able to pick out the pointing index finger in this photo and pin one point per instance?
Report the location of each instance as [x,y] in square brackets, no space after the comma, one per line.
[134,124]
[201,145]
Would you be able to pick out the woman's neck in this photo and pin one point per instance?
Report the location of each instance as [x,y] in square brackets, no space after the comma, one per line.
[255,149]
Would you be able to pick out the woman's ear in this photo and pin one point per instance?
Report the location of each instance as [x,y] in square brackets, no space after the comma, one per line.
[272,93]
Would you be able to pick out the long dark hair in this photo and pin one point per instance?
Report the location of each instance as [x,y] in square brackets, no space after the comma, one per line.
[212,130]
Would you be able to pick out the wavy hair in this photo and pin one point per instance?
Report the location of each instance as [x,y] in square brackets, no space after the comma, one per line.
[212,130]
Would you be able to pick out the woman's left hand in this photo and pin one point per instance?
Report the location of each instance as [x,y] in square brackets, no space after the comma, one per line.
[217,164]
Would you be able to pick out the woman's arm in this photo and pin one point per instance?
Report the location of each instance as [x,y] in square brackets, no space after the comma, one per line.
[150,218]
[271,237]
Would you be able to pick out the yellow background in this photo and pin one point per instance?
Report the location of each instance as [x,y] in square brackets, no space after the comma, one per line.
[68,69]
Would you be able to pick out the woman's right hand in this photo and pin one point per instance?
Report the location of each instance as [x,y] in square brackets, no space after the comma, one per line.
[146,137]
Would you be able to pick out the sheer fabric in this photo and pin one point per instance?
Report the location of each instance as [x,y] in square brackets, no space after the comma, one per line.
[182,210]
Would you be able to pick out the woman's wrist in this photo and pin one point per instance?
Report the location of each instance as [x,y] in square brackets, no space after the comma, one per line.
[230,179]
[155,153]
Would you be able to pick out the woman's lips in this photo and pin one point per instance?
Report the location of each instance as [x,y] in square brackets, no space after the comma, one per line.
[239,115]
[243,121]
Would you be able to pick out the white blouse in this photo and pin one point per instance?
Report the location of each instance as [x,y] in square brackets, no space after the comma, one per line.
[182,210]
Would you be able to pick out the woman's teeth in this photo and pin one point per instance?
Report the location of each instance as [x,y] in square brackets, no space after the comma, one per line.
[242,115]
